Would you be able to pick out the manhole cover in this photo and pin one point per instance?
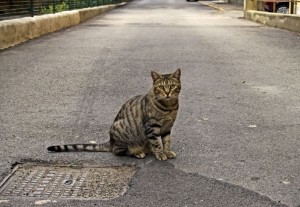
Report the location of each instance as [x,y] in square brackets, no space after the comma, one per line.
[67,182]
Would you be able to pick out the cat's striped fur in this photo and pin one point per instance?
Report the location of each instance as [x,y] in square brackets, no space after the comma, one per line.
[144,123]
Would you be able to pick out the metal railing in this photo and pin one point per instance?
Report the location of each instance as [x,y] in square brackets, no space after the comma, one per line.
[279,6]
[11,9]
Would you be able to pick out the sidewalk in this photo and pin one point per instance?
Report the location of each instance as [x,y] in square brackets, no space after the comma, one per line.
[283,21]
[222,6]
[230,10]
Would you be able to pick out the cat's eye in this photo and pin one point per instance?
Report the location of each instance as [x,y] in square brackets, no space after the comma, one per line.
[161,87]
[172,86]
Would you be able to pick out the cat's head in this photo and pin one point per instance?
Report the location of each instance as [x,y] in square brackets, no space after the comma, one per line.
[166,86]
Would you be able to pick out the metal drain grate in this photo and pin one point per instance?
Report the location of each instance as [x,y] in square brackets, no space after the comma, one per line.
[67,182]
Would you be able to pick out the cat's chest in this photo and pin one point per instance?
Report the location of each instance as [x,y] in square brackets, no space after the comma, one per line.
[167,119]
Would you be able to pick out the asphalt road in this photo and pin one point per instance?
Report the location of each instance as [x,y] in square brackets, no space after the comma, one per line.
[237,132]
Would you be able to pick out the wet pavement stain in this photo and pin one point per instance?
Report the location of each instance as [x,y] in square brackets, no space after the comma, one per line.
[160,182]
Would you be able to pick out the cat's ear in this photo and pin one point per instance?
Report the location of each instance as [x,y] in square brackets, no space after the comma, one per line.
[155,76]
[177,74]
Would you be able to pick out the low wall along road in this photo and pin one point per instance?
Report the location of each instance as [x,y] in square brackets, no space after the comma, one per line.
[284,21]
[16,31]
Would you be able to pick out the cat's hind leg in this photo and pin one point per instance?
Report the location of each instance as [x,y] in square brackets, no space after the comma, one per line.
[136,151]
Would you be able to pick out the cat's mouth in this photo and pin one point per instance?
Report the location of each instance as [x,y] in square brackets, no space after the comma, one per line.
[167,98]
[168,101]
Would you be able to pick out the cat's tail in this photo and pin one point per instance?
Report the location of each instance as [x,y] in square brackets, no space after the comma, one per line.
[104,147]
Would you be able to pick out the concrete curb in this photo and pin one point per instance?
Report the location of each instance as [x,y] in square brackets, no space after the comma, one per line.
[16,31]
[284,21]
[211,4]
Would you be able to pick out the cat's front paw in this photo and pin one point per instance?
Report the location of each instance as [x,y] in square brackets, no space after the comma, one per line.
[170,154]
[161,156]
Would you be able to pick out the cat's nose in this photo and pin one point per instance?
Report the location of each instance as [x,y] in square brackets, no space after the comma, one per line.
[167,91]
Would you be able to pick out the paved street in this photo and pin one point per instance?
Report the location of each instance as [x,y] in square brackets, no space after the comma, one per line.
[237,131]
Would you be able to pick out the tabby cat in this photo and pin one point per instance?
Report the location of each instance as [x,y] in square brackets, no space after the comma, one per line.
[144,123]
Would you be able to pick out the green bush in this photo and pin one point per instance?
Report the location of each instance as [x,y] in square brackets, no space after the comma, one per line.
[63,6]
